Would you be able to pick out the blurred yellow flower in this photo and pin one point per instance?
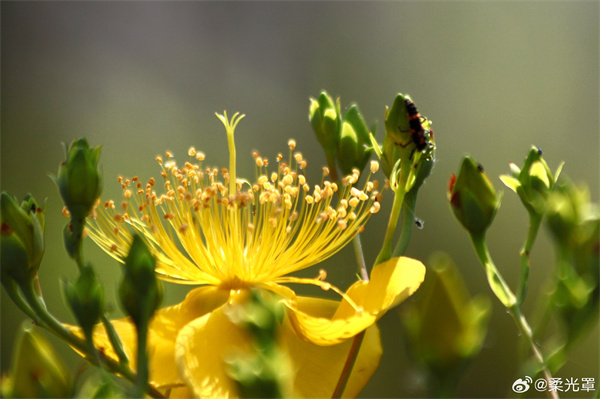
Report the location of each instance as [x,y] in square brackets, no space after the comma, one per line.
[228,235]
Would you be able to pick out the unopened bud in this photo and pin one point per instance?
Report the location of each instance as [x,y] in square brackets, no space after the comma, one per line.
[533,182]
[324,116]
[22,237]
[353,149]
[140,291]
[472,197]
[36,371]
[86,298]
[79,178]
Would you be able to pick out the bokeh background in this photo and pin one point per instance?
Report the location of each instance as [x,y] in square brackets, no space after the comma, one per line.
[143,77]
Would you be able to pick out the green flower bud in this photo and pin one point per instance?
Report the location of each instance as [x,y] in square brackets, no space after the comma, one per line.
[353,149]
[22,237]
[86,298]
[406,134]
[325,118]
[472,197]
[79,178]
[140,291]
[264,369]
[444,325]
[36,370]
[533,182]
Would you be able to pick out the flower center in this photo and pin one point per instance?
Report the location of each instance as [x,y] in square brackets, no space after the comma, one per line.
[208,227]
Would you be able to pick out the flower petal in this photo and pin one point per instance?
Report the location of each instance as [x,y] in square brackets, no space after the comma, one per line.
[317,369]
[201,349]
[391,283]
[163,331]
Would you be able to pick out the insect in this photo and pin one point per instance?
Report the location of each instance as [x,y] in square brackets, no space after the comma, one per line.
[417,133]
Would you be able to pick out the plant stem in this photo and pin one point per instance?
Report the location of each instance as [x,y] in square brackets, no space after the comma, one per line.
[47,321]
[12,289]
[142,360]
[506,296]
[408,221]
[360,258]
[534,226]
[346,371]
[386,250]
[115,341]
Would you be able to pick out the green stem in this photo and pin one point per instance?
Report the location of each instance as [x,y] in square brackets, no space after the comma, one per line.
[506,296]
[386,250]
[142,360]
[47,321]
[408,221]
[12,289]
[360,257]
[525,330]
[534,226]
[495,279]
[347,370]
[115,341]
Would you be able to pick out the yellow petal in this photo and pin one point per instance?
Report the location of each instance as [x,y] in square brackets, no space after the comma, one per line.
[163,331]
[201,349]
[391,283]
[317,369]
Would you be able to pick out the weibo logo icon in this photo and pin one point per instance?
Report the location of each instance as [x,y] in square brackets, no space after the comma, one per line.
[522,385]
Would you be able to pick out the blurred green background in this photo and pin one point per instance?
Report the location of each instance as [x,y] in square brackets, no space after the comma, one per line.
[142,77]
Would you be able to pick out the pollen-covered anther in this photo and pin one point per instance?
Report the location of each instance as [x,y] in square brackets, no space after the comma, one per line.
[322,275]
[124,205]
[325,171]
[169,154]
[288,180]
[113,248]
[262,180]
[183,228]
[65,212]
[200,156]
[293,217]
[342,224]
[159,159]
[298,157]
[118,218]
[375,207]
[374,166]
[322,217]
[169,216]
[191,151]
[273,221]
[353,202]
[250,227]
[292,144]
[116,231]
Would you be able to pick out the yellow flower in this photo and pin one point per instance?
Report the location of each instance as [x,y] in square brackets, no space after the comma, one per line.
[228,235]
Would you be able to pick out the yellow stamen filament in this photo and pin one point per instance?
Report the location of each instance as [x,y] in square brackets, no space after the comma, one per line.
[209,228]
